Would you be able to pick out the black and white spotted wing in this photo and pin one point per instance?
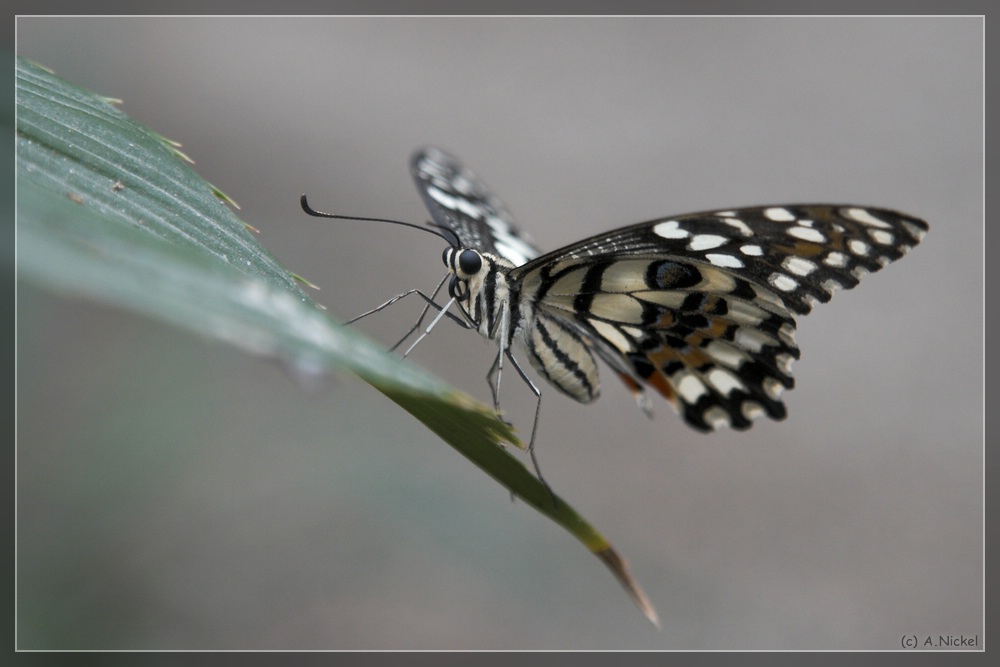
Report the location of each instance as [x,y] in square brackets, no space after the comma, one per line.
[700,307]
[458,200]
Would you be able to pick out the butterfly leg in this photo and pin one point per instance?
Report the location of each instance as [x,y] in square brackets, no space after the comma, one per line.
[497,366]
[534,427]
[429,303]
[423,314]
[388,303]
[430,327]
[494,388]
[500,335]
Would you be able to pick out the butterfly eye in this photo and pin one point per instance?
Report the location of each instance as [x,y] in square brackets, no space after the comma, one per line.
[470,262]
[457,288]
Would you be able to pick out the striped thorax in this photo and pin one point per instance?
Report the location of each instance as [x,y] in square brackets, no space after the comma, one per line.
[500,310]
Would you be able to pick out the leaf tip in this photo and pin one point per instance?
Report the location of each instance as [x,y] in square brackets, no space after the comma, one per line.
[619,567]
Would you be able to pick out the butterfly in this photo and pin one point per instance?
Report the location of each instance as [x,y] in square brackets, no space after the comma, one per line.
[699,307]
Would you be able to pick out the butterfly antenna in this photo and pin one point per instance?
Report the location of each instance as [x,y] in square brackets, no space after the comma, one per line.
[444,233]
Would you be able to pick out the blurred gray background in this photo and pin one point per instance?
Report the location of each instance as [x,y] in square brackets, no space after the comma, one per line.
[175,493]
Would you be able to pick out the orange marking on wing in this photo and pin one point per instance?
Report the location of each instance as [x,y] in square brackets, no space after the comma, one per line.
[716,329]
[662,355]
[660,383]
[692,357]
[695,357]
[666,321]
[632,385]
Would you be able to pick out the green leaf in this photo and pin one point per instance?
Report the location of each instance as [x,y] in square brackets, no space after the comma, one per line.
[107,209]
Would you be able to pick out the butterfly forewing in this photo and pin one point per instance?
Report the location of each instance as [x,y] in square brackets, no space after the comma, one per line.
[700,307]
[459,200]
[802,253]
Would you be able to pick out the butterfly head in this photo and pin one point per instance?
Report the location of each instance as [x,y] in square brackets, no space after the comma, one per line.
[467,266]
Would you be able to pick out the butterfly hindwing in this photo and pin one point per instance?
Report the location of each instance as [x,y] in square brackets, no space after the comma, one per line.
[716,346]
